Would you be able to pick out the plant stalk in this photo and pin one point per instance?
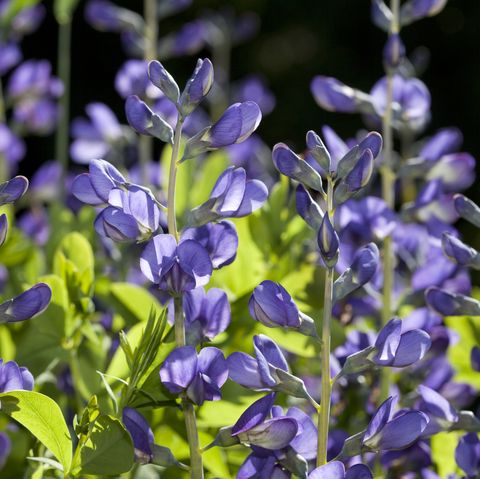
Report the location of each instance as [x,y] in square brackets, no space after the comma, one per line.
[388,193]
[196,461]
[64,73]
[324,416]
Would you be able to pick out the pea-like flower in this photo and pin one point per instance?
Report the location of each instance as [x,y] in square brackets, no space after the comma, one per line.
[441,414]
[131,212]
[31,302]
[219,239]
[141,433]
[14,378]
[397,349]
[328,242]
[197,87]
[387,431]
[175,268]
[233,196]
[199,376]
[13,189]
[459,252]
[272,305]
[451,304]
[467,454]
[207,314]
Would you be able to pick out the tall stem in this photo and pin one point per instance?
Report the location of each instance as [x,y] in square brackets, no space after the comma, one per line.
[324,416]
[172,180]
[63,70]
[145,145]
[388,192]
[196,462]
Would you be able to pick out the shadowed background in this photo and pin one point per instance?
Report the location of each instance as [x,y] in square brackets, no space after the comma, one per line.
[296,40]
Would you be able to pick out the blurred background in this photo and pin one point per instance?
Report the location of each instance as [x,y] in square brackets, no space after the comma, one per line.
[295,41]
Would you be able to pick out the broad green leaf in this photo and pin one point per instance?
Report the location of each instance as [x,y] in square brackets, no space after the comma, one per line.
[76,249]
[135,300]
[42,416]
[109,450]
[63,10]
[43,339]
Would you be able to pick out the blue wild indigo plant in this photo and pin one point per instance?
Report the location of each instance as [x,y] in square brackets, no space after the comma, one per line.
[226,310]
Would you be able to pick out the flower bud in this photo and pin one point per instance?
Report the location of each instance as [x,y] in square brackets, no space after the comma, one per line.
[459,252]
[197,86]
[394,52]
[333,95]
[467,209]
[3,228]
[163,80]
[328,242]
[451,304]
[318,151]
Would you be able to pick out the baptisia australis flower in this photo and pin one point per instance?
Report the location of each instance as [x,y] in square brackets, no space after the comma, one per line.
[467,454]
[336,470]
[200,376]
[131,213]
[175,268]
[100,137]
[388,431]
[272,305]
[31,302]
[14,378]
[268,371]
[232,196]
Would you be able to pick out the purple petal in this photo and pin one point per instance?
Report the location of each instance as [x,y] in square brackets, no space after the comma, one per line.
[272,434]
[412,347]
[212,363]
[270,351]
[467,453]
[157,256]
[436,405]
[359,471]
[194,260]
[332,94]
[179,369]
[82,189]
[332,470]
[377,423]
[387,342]
[141,433]
[256,193]
[3,228]
[13,189]
[26,305]
[254,414]
[305,443]
[243,369]
[104,177]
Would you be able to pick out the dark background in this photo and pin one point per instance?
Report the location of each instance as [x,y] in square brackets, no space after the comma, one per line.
[297,40]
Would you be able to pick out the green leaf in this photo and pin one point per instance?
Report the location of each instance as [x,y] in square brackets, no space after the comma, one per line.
[63,10]
[109,449]
[42,416]
[136,301]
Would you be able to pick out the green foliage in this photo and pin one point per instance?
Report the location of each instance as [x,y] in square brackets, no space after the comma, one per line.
[443,452]
[43,418]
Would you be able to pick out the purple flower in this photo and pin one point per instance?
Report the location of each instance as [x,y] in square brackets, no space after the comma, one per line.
[451,304]
[233,196]
[417,9]
[254,88]
[467,454]
[14,378]
[12,148]
[268,371]
[207,314]
[456,171]
[132,215]
[459,252]
[10,55]
[98,137]
[160,77]
[189,39]
[236,124]
[467,209]
[141,433]
[3,228]
[390,432]
[271,305]
[397,349]
[219,239]
[132,79]
[199,376]
[144,121]
[175,268]
[336,470]
[13,189]
[106,16]
[394,51]
[31,302]
[197,86]
[441,414]
[443,142]
[254,428]
[333,95]
[411,102]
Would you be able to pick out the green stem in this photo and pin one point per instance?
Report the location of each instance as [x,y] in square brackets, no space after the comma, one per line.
[63,70]
[196,462]
[388,193]
[172,180]
[324,416]
[145,144]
